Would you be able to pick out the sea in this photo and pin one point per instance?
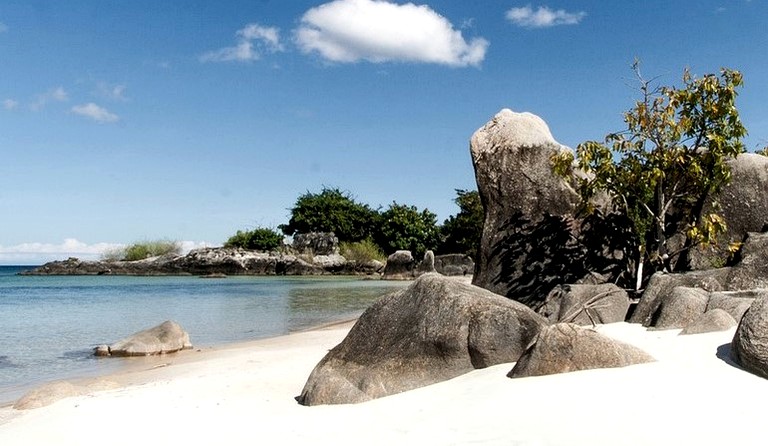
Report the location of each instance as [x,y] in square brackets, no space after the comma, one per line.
[50,324]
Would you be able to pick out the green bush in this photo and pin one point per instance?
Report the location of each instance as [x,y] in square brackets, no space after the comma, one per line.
[462,232]
[259,239]
[331,210]
[363,251]
[143,250]
[405,227]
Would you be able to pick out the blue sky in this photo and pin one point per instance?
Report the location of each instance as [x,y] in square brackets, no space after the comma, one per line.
[188,120]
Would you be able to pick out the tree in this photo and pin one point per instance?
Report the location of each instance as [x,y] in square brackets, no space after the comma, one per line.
[405,227]
[260,239]
[331,210]
[461,232]
[668,165]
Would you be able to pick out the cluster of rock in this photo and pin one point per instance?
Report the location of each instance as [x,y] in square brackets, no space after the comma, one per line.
[402,266]
[535,251]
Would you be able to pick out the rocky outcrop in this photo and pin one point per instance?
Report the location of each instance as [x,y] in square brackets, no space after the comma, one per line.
[711,321]
[743,204]
[49,393]
[749,347]
[399,266]
[434,330]
[563,348]
[735,303]
[521,195]
[167,337]
[454,265]
[216,261]
[586,304]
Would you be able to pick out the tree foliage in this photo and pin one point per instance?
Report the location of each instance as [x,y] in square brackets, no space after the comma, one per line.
[669,163]
[260,239]
[331,210]
[461,232]
[405,227]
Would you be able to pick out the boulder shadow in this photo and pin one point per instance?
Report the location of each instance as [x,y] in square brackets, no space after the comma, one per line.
[724,354]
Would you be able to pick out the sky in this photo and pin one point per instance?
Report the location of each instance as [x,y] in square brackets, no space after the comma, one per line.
[123,121]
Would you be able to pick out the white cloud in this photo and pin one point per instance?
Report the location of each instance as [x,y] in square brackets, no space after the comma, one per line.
[57,94]
[111,92]
[380,31]
[39,253]
[95,112]
[543,17]
[10,104]
[251,41]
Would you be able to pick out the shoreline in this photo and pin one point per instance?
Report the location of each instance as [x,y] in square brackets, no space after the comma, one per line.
[245,393]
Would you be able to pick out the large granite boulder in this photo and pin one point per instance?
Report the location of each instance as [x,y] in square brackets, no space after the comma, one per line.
[399,266]
[167,337]
[744,205]
[434,330]
[749,347]
[711,321]
[735,303]
[563,348]
[586,304]
[751,264]
[680,308]
[526,233]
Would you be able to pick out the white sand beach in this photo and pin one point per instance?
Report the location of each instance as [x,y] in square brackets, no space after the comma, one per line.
[245,395]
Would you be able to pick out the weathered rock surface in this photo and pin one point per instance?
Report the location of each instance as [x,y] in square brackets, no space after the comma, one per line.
[167,337]
[526,205]
[711,321]
[399,266]
[586,304]
[751,268]
[454,265]
[680,308]
[743,204]
[661,285]
[563,348]
[735,303]
[316,243]
[434,330]
[749,347]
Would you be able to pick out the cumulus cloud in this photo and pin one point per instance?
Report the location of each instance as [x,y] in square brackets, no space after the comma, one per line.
[39,253]
[111,91]
[10,104]
[57,94]
[95,112]
[251,42]
[379,31]
[543,17]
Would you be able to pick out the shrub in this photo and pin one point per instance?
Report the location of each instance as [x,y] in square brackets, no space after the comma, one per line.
[363,251]
[405,227]
[461,233]
[143,250]
[259,239]
[332,210]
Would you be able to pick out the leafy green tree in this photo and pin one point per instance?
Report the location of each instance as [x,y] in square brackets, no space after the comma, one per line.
[259,239]
[332,210]
[405,227]
[668,165]
[461,232]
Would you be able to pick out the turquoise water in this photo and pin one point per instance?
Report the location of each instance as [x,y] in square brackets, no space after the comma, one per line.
[48,325]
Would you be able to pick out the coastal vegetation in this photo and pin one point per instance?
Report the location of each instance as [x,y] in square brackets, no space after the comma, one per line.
[362,252]
[260,239]
[143,250]
[663,172]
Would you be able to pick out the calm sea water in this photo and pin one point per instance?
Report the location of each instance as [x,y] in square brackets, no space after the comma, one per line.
[48,325]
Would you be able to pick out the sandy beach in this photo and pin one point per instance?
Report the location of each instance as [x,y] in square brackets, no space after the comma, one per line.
[244,394]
